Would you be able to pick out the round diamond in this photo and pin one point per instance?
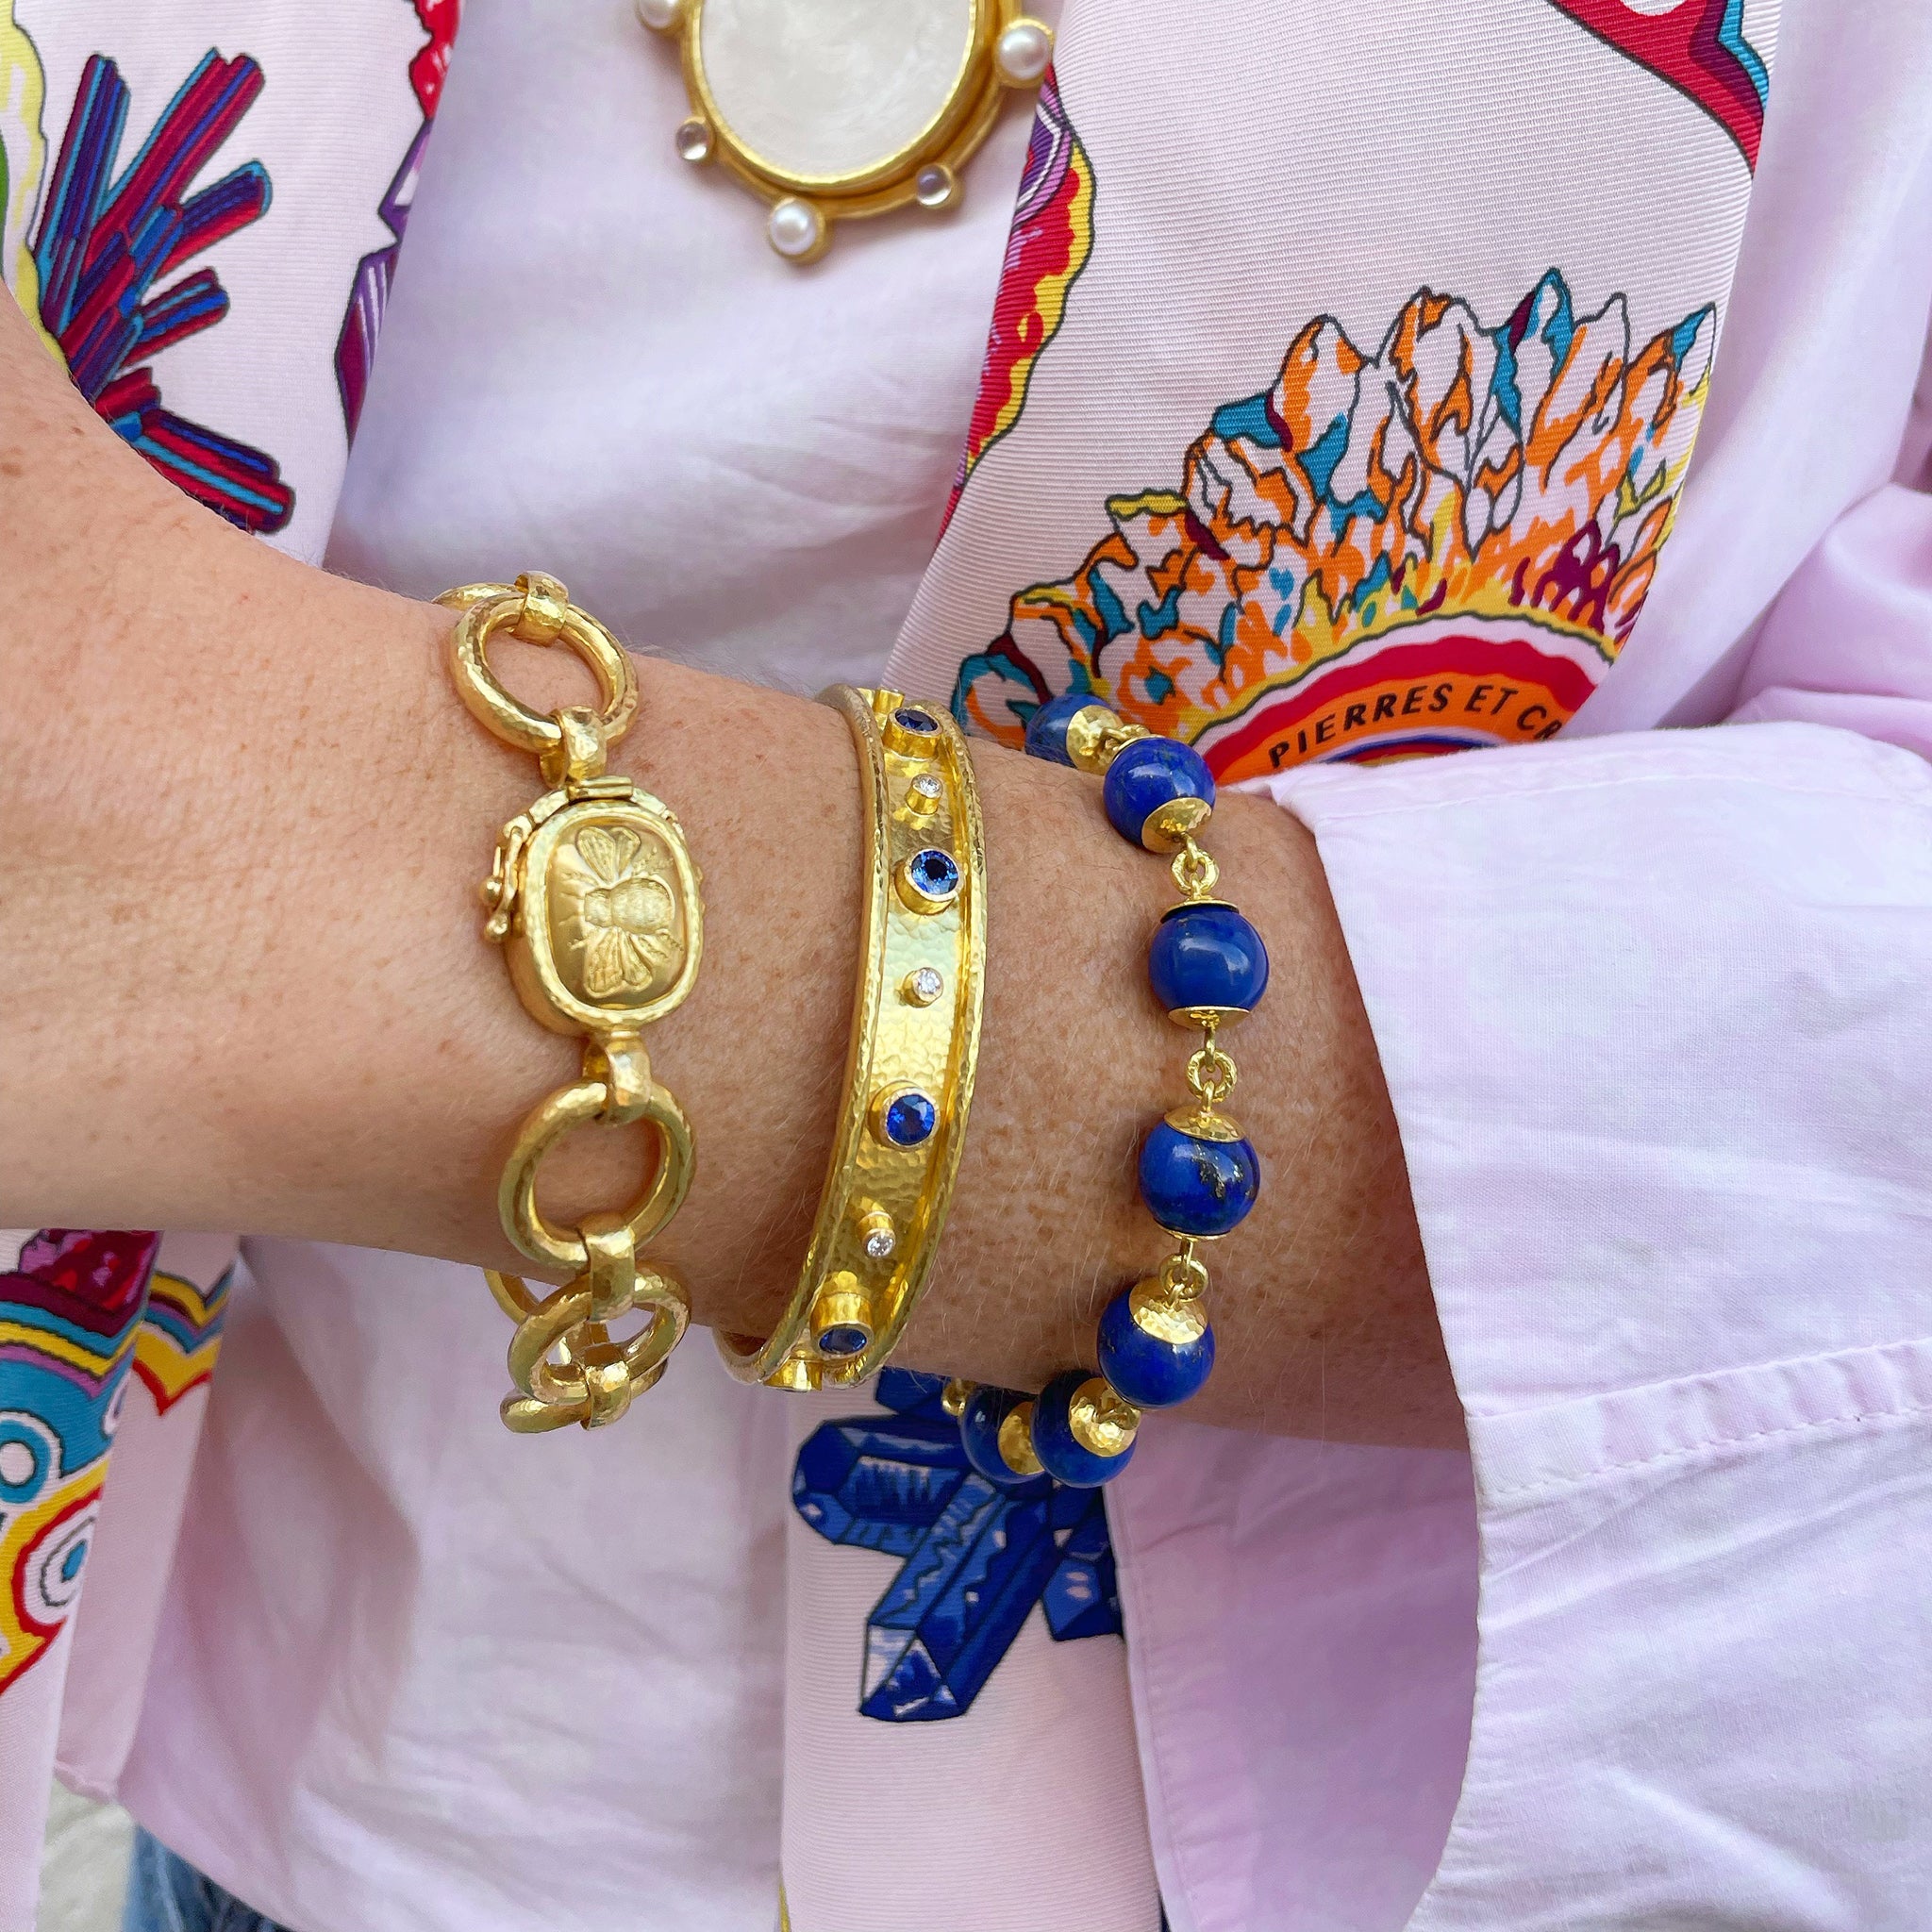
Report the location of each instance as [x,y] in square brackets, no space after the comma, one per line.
[693,139]
[923,985]
[908,1119]
[927,785]
[880,1243]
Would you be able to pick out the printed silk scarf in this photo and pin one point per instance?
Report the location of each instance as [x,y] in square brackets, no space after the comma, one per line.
[1341,383]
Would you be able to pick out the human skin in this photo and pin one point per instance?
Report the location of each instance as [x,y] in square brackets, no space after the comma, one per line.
[242,985]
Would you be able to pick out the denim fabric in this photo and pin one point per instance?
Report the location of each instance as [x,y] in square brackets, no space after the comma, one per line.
[167,1894]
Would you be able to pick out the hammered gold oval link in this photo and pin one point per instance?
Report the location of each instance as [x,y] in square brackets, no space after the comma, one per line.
[491,609]
[577,1106]
[607,1386]
[612,1273]
[545,608]
[525,1416]
[511,1293]
[538,1334]
[621,1062]
[597,1378]
[663,1296]
[581,743]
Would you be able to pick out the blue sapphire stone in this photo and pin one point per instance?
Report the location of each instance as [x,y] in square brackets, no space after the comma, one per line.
[843,1338]
[1196,1186]
[1206,954]
[1149,1371]
[935,872]
[1061,1453]
[979,1435]
[910,1119]
[907,719]
[1046,730]
[1148,773]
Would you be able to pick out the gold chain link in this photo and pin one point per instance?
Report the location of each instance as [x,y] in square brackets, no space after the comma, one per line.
[595,897]
[1195,869]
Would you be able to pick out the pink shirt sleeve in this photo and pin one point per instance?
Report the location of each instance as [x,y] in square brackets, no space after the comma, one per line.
[1655,1012]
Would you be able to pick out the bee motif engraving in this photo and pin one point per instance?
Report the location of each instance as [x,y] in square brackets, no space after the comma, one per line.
[595,897]
[626,915]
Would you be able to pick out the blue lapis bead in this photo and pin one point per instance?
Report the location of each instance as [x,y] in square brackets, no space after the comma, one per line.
[1206,954]
[1156,1348]
[986,1409]
[1046,730]
[1147,775]
[1061,1453]
[1195,1184]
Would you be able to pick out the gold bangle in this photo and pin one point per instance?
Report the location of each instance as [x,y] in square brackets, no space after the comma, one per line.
[915,1040]
[594,898]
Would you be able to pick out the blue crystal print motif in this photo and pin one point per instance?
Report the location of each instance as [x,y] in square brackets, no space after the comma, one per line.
[977,1557]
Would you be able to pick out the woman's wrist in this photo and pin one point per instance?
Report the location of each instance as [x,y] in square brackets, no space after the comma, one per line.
[247,823]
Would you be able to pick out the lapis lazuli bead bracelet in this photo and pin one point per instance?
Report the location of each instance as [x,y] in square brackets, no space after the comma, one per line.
[1199,1174]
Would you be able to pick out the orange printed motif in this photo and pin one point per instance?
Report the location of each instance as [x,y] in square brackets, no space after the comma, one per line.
[1441,544]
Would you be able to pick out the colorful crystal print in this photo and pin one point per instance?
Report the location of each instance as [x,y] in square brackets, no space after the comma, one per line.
[1439,545]
[1698,47]
[1052,236]
[104,242]
[22,158]
[369,293]
[977,1557]
[179,1337]
[70,1309]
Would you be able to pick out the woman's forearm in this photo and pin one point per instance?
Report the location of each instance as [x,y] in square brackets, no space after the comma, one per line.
[245,818]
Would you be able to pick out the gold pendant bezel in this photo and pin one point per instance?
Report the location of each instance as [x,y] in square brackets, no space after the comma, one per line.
[524,884]
[925,171]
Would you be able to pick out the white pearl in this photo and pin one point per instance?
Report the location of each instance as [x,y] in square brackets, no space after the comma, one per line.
[660,16]
[1023,52]
[796,228]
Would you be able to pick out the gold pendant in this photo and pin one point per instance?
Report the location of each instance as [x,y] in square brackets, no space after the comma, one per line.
[830,109]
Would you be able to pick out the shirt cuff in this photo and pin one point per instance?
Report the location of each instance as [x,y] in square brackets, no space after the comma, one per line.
[1656,1015]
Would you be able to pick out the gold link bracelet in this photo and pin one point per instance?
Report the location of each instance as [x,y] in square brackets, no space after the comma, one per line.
[593,896]
[915,1043]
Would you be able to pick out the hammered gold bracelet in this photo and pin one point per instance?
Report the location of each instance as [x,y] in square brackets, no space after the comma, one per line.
[594,898]
[914,1046]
